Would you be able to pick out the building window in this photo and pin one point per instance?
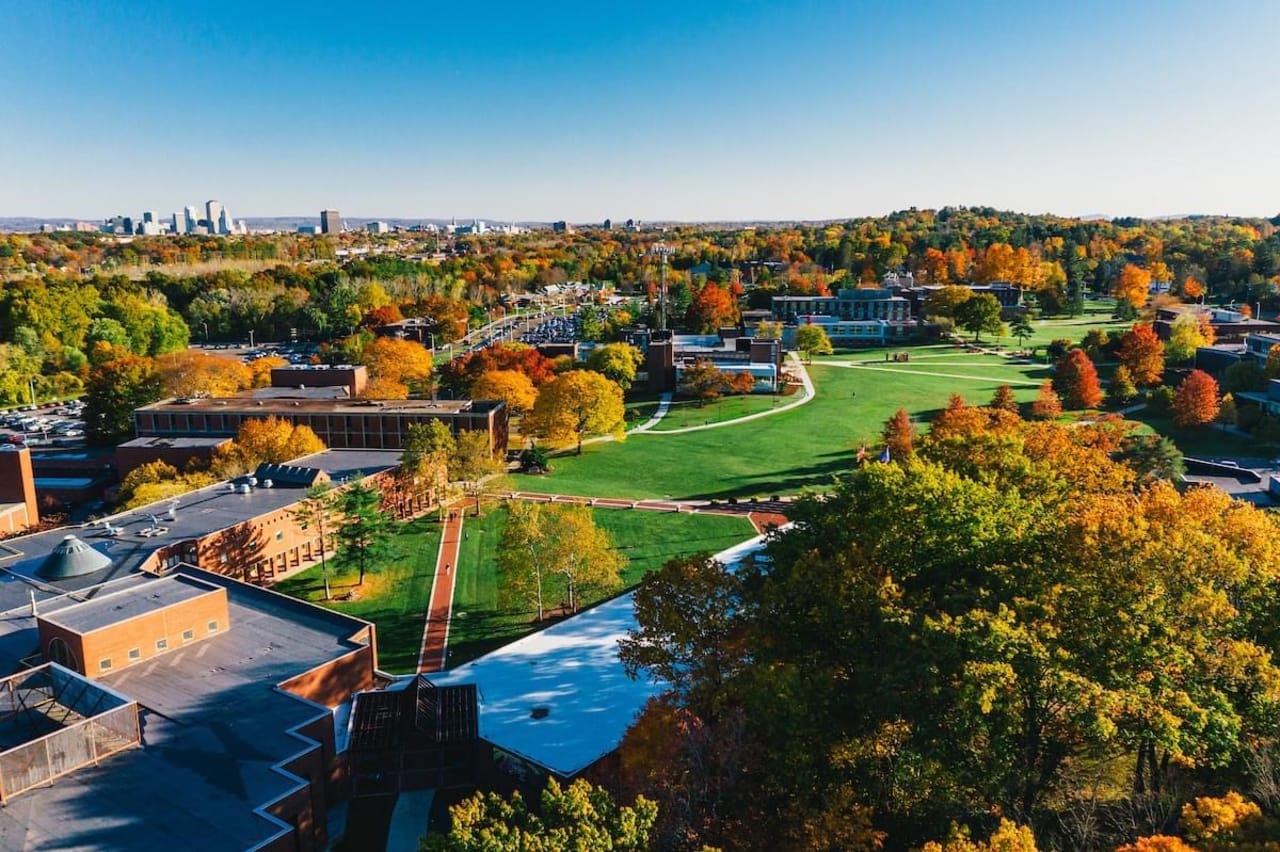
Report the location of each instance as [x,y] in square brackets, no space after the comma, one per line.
[162,644]
[60,653]
[188,635]
[213,627]
[279,535]
[103,665]
[135,653]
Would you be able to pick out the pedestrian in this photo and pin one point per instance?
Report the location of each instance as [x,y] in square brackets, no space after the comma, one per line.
[447,566]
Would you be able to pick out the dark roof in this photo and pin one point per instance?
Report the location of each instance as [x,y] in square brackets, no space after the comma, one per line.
[420,714]
[288,474]
[111,607]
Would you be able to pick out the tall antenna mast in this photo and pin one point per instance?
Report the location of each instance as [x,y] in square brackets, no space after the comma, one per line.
[662,251]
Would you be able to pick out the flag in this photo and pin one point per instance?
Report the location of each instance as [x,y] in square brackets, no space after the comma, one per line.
[884,456]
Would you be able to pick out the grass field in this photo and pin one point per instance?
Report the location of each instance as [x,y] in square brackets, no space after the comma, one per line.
[394,597]
[782,454]
[648,539]
[687,412]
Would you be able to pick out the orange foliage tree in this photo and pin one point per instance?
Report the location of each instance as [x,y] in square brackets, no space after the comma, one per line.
[1196,401]
[712,307]
[899,435]
[403,362]
[1132,285]
[1076,381]
[1047,404]
[1143,353]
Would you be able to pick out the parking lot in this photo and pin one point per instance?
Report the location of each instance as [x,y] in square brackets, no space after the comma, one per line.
[53,424]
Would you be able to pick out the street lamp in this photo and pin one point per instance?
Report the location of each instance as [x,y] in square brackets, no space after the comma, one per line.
[250,338]
[205,323]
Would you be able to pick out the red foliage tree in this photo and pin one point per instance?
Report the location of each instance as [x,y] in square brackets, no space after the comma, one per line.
[1196,402]
[1076,381]
[459,374]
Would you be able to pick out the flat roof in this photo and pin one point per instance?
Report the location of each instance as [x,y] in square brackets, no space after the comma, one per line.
[571,668]
[214,724]
[199,513]
[267,407]
[113,607]
[198,442]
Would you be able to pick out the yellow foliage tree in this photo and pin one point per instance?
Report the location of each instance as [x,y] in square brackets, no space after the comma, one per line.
[266,439]
[511,386]
[401,361]
[1008,837]
[1132,285]
[261,369]
[576,404]
[195,373]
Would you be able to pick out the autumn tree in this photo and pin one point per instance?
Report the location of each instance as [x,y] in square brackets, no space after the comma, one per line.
[1008,837]
[195,373]
[545,542]
[946,301]
[474,464]
[113,391]
[1196,401]
[1121,390]
[364,532]
[711,308]
[1187,334]
[769,330]
[1132,286]
[580,816]
[1047,404]
[260,370]
[509,386]
[899,435]
[459,374]
[265,439]
[703,381]
[1004,400]
[812,340]
[573,405]
[1271,369]
[1142,352]
[1192,288]
[397,362]
[617,362]
[1076,381]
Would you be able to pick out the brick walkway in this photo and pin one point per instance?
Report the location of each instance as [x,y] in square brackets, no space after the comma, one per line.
[435,632]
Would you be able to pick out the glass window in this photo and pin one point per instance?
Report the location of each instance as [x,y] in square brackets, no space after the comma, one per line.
[135,653]
[162,644]
[213,627]
[188,635]
[103,665]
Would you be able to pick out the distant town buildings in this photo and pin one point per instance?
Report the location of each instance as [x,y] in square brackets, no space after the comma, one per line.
[330,222]
[377,228]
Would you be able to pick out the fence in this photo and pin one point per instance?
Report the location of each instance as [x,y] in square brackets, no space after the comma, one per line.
[48,697]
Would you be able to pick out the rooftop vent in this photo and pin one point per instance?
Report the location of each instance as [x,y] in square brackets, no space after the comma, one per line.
[72,558]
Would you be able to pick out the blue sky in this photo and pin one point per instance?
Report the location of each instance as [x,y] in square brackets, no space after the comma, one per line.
[662,110]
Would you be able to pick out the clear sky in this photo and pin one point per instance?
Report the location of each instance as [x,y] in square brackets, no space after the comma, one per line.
[681,110]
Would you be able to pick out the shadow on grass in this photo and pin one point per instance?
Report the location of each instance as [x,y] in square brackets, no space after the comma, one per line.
[480,631]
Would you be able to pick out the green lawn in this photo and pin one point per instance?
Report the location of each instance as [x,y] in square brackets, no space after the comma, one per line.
[783,453]
[394,597]
[648,539]
[1203,443]
[687,412]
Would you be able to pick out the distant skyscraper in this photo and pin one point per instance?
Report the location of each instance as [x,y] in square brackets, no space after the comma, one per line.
[148,215]
[213,214]
[180,222]
[193,219]
[376,227]
[330,222]
[226,225]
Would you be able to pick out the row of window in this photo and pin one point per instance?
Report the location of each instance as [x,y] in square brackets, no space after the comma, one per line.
[135,654]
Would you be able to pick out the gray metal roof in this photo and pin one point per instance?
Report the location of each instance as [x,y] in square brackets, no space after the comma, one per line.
[116,605]
[71,558]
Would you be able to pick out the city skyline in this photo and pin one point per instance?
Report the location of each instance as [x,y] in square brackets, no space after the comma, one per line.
[749,112]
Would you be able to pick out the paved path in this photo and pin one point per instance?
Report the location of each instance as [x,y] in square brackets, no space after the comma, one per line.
[807,394]
[762,514]
[664,405]
[909,372]
[435,632]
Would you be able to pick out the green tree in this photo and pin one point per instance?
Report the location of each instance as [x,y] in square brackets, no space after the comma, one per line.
[424,461]
[579,817]
[979,314]
[318,510]
[812,340]
[617,362]
[576,404]
[112,393]
[474,464]
[1022,327]
[1153,457]
[364,533]
[1121,390]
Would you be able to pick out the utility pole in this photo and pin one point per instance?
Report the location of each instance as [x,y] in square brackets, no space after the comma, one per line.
[663,251]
